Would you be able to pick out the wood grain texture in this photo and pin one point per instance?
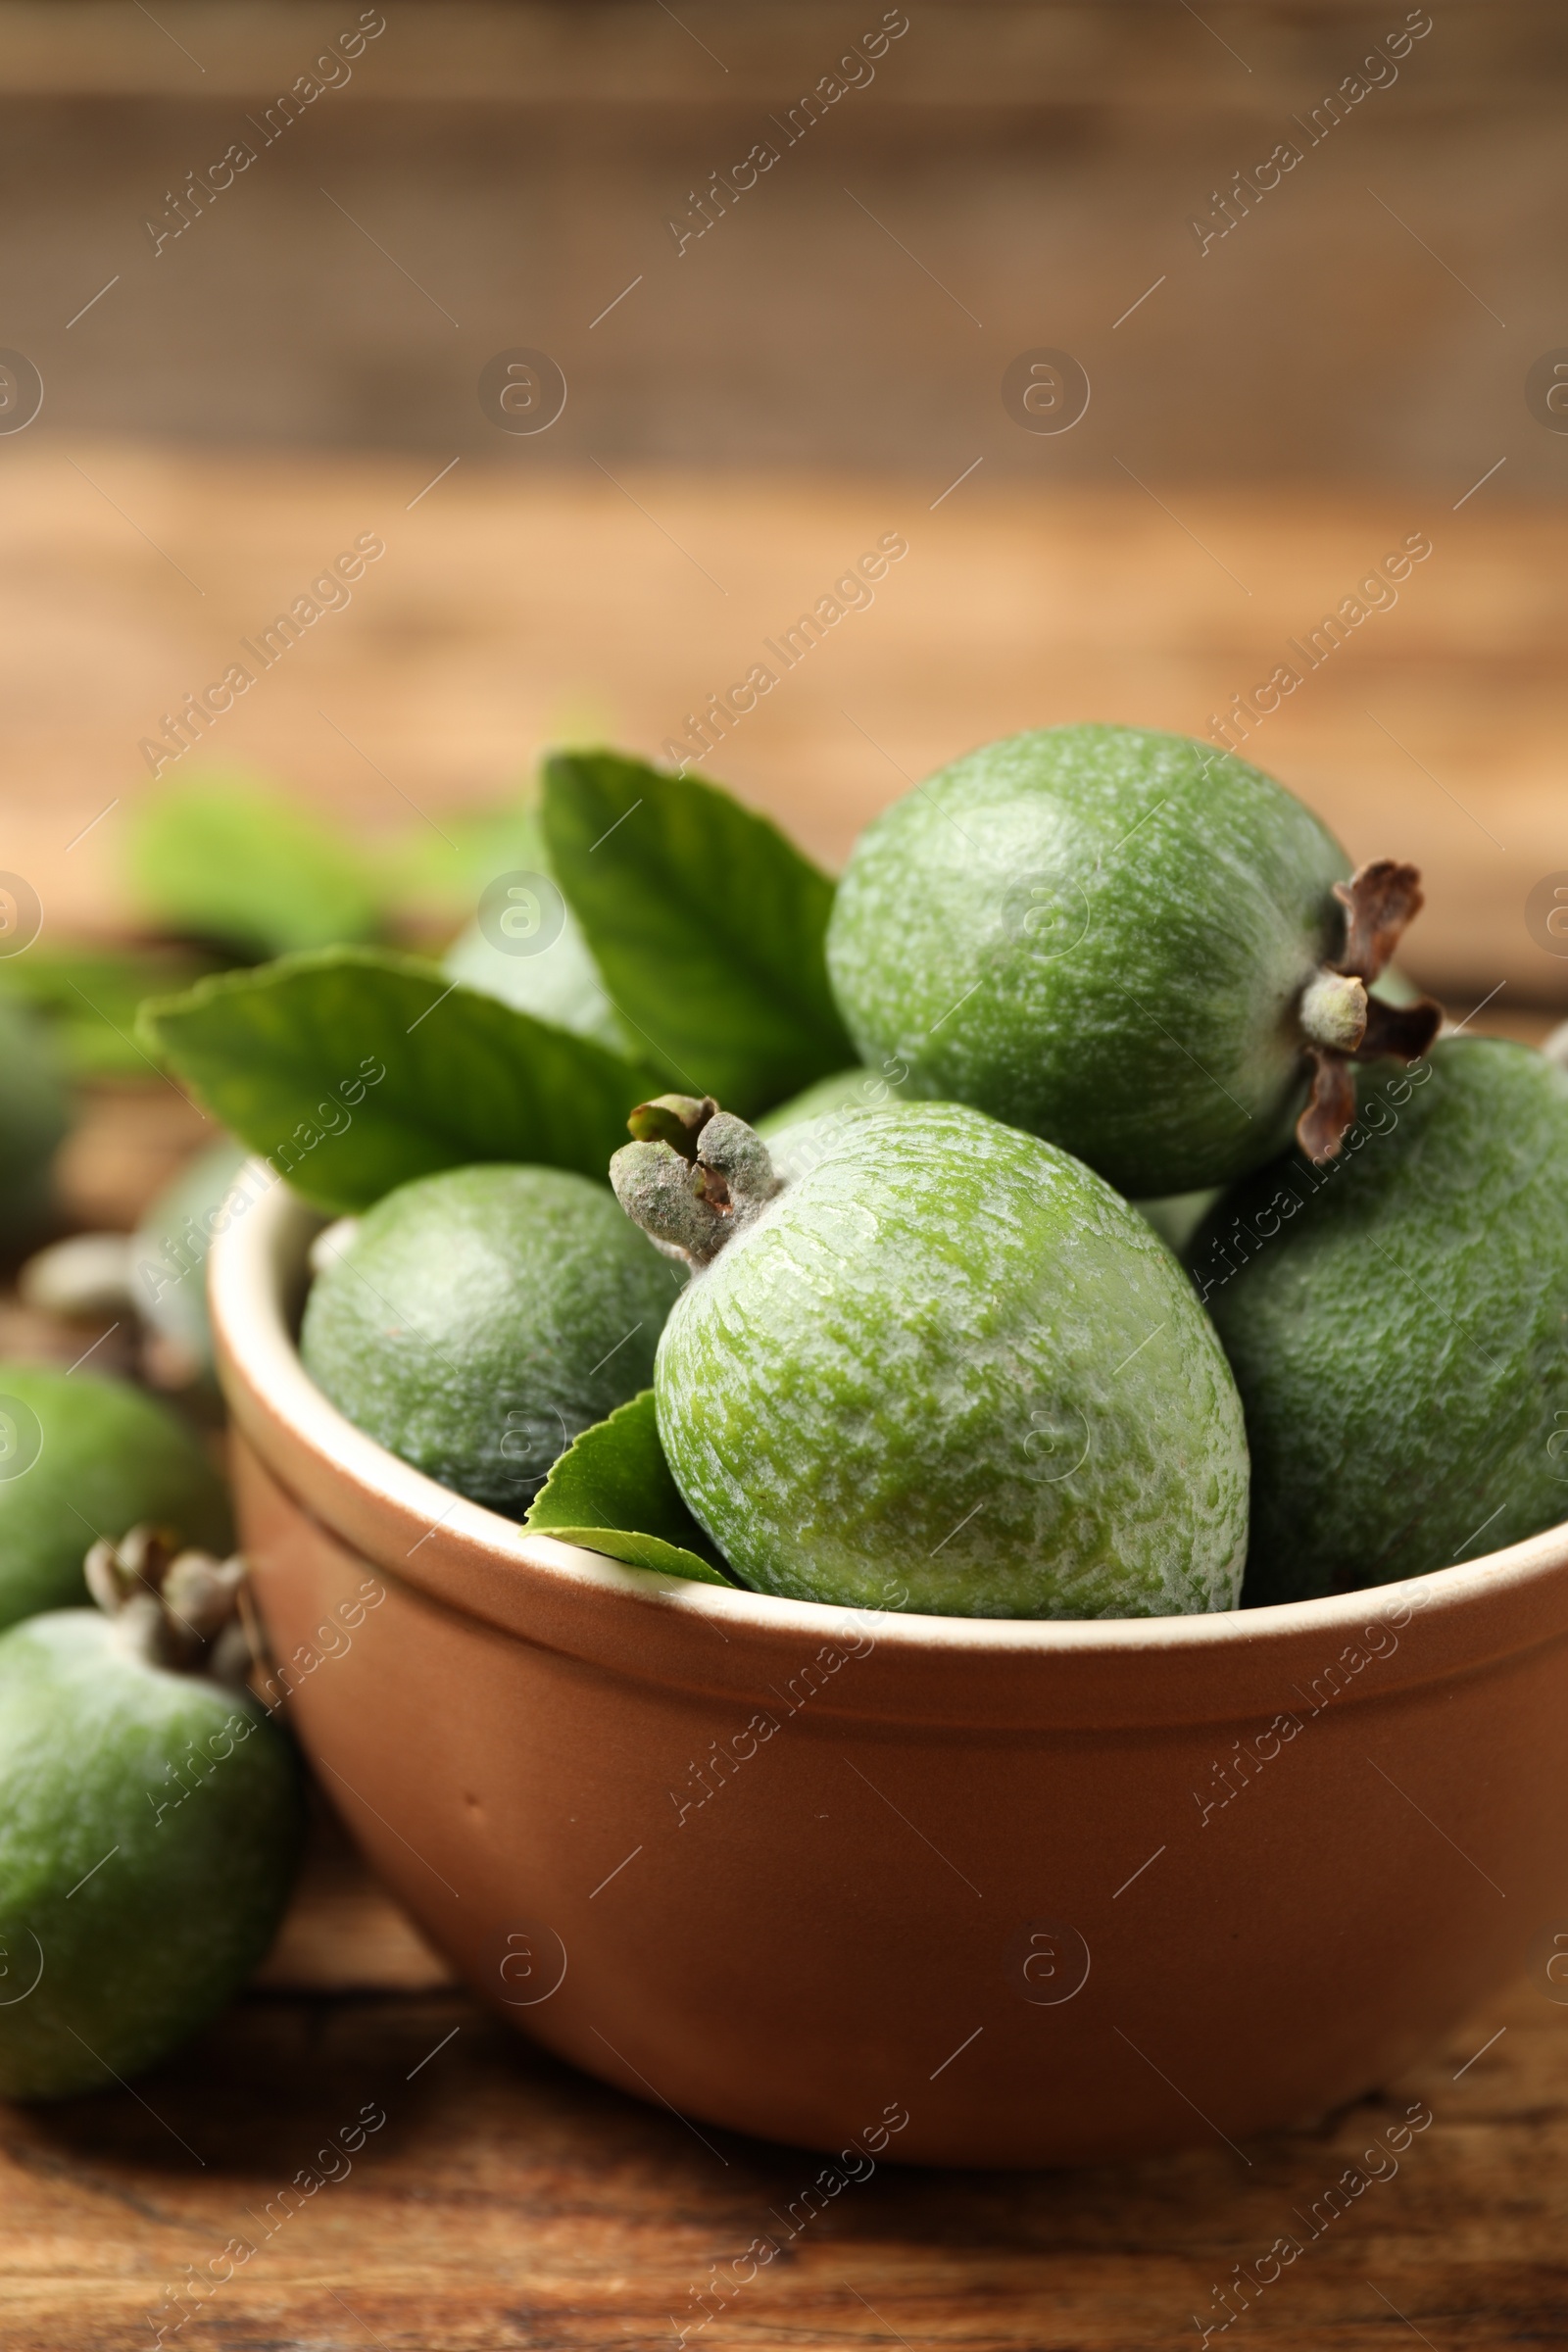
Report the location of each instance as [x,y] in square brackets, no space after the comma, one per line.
[1007,53]
[515,606]
[508,2202]
[1016,175]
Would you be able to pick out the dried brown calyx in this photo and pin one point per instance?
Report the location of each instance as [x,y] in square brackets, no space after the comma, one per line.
[694,1177]
[177,1608]
[1340,1021]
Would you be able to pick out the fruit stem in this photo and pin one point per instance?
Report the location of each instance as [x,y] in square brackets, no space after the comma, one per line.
[691,1196]
[1338,1019]
[174,1608]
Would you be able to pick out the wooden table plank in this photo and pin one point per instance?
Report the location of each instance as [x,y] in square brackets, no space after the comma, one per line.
[507,2201]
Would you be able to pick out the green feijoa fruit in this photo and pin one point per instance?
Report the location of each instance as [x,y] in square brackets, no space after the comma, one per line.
[1178,1217]
[1175,1218]
[150,1832]
[1129,943]
[1397,1324]
[944,1368]
[480,1320]
[83,1457]
[34,1114]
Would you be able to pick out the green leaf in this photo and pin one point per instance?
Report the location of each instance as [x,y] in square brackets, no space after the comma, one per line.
[221,856]
[707,925]
[90,999]
[354,1070]
[612,1491]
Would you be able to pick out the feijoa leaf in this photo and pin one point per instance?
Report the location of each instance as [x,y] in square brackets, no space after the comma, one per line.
[353,1070]
[223,857]
[706,924]
[612,1491]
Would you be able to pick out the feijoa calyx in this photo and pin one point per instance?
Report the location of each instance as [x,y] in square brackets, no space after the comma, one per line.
[151,1825]
[943,1368]
[1397,1324]
[1134,945]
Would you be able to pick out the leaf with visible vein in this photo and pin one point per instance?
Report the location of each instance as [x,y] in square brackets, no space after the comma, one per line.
[706,924]
[354,1070]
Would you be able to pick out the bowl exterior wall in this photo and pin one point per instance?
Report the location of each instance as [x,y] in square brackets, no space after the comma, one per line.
[701,1868]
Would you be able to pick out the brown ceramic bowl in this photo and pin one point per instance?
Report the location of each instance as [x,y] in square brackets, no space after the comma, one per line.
[959,1891]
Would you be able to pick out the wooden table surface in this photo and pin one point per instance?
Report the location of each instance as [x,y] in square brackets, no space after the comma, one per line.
[505,2200]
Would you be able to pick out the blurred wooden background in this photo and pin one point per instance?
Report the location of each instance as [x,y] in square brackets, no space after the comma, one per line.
[1266,416]
[504,615]
[1013,175]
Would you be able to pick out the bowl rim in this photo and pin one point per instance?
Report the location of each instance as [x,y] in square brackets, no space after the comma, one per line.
[260,1237]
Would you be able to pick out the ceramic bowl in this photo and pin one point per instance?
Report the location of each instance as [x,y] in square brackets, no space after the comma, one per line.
[943,1889]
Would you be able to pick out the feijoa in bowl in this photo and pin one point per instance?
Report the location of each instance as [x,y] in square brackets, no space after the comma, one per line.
[959,1891]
